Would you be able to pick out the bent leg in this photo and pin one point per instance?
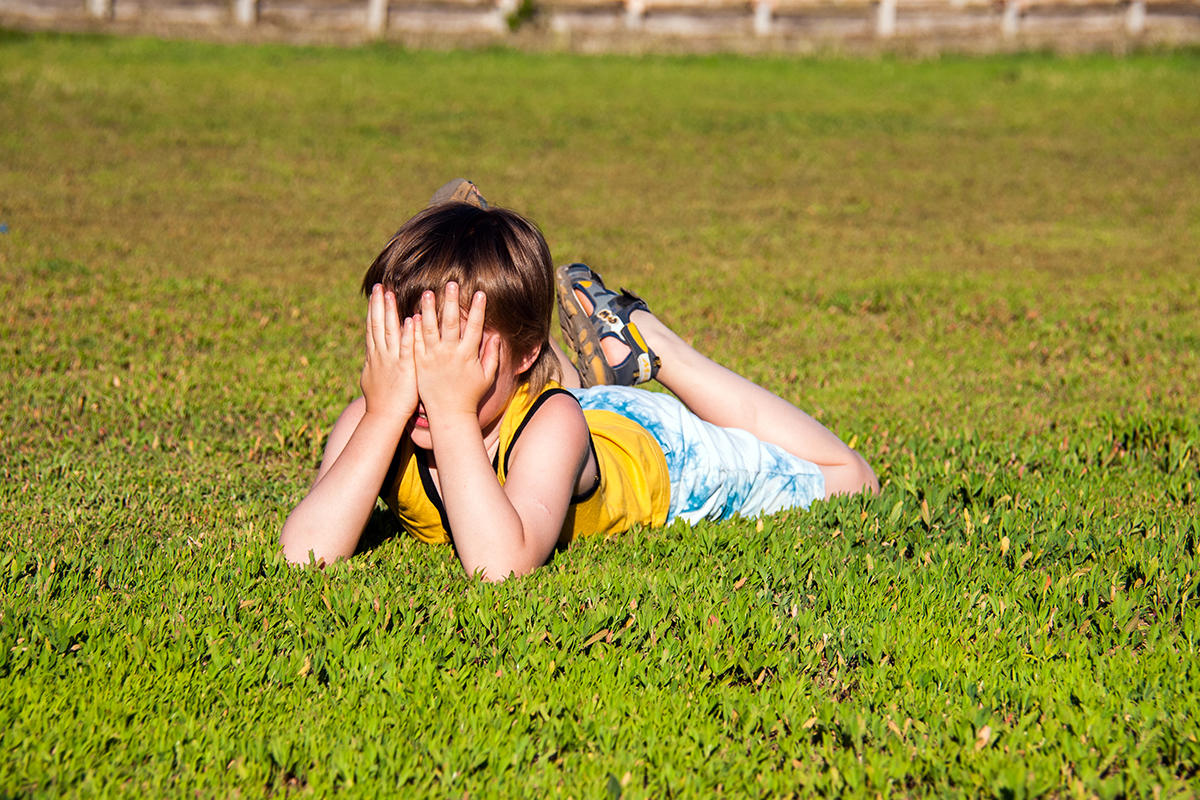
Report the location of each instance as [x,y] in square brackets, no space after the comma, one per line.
[720,396]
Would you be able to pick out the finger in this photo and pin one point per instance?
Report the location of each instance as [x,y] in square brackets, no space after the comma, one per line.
[418,334]
[451,312]
[391,322]
[428,318]
[489,359]
[473,334]
[408,346]
[407,339]
[375,333]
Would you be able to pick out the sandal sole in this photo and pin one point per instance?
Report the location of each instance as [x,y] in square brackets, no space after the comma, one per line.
[459,190]
[581,335]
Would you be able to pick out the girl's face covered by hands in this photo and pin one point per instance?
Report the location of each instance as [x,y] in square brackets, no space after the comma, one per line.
[462,368]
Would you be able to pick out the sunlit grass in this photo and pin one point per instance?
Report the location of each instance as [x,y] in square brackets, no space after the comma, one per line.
[983,271]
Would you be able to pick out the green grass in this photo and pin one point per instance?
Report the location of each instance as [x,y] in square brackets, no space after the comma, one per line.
[981,270]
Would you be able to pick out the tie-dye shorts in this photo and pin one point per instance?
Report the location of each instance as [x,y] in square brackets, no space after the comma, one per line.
[716,473]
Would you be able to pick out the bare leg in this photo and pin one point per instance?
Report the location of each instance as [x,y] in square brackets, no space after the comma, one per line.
[722,397]
[569,375]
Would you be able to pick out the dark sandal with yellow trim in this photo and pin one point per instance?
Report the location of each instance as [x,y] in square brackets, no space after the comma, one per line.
[609,318]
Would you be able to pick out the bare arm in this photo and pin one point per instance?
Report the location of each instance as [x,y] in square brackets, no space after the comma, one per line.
[511,529]
[329,521]
[499,530]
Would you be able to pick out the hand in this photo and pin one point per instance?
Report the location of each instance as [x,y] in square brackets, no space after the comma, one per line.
[456,364]
[389,376]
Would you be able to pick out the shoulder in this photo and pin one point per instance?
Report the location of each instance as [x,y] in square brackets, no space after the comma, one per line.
[550,458]
[555,423]
[557,408]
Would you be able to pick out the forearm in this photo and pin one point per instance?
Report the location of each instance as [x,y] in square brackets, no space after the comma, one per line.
[329,521]
[488,532]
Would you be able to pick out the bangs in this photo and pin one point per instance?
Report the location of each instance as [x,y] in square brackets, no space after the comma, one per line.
[492,250]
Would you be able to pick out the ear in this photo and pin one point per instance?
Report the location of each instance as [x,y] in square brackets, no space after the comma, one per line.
[527,360]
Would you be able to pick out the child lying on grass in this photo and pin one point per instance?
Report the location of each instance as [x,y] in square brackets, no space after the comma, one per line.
[464,433]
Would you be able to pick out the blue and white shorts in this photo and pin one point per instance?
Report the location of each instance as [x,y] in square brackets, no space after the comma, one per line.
[715,472]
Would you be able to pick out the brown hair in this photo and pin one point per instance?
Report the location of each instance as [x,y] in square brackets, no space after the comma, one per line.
[492,250]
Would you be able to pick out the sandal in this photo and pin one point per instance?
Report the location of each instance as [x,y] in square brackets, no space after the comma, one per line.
[459,190]
[609,317]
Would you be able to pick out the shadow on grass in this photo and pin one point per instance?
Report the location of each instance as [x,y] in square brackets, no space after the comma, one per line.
[381,528]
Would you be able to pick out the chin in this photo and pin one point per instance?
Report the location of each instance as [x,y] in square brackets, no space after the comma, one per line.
[420,438]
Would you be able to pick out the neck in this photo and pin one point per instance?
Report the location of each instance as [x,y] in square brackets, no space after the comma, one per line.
[491,433]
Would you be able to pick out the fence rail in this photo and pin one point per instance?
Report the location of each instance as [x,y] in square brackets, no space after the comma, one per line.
[880,20]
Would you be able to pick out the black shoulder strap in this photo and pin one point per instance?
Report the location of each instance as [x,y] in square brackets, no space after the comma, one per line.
[431,491]
[542,398]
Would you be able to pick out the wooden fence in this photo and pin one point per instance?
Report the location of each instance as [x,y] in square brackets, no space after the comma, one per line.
[764,19]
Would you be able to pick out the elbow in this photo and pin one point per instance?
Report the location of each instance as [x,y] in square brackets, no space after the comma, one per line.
[297,548]
[292,552]
[288,544]
[504,557]
[293,555]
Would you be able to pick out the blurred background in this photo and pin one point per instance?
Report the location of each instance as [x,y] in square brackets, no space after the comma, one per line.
[926,26]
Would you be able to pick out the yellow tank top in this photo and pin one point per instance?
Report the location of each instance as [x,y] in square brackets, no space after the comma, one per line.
[632,487]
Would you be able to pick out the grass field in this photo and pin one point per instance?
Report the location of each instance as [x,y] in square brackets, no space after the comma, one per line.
[983,272]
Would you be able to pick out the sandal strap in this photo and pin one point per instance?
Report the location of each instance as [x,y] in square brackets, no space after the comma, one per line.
[610,317]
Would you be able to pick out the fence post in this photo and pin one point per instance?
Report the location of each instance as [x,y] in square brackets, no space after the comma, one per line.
[885,19]
[1010,23]
[634,11]
[245,12]
[1135,17]
[377,14]
[100,9]
[762,17]
[504,11]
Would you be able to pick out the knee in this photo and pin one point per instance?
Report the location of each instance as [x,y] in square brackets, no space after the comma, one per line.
[852,477]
